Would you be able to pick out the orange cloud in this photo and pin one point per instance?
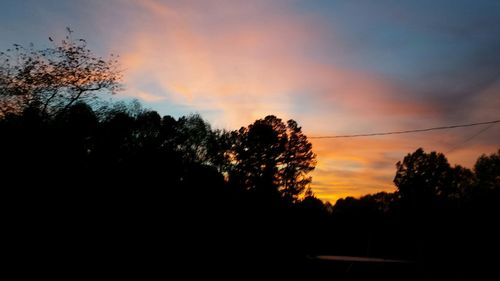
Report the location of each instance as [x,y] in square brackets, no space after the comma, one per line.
[359,166]
[149,97]
[247,60]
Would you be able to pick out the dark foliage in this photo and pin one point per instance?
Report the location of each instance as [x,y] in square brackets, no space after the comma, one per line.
[126,181]
[116,190]
[128,185]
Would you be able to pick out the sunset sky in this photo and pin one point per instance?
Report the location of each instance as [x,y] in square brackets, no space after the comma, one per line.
[336,67]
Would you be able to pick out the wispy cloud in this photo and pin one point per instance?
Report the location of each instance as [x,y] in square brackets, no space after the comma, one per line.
[244,61]
[337,67]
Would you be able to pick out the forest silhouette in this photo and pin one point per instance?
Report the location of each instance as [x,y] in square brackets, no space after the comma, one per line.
[95,188]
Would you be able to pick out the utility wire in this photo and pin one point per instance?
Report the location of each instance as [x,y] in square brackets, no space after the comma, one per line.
[470,138]
[405,132]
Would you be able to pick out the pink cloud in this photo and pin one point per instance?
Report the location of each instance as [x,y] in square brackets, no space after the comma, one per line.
[149,97]
[247,59]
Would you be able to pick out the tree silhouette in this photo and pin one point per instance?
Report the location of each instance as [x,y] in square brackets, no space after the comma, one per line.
[422,177]
[114,174]
[219,146]
[485,193]
[487,170]
[463,180]
[298,161]
[55,78]
[273,158]
[258,150]
[192,137]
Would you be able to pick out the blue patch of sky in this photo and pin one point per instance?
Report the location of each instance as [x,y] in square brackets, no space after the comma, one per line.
[402,39]
[33,21]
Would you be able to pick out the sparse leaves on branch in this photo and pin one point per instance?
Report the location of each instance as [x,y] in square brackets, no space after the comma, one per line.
[53,79]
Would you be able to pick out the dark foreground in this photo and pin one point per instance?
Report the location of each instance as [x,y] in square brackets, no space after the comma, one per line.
[90,238]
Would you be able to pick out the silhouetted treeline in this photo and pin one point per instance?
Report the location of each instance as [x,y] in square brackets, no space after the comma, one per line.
[121,185]
[114,190]
[444,218]
[123,182]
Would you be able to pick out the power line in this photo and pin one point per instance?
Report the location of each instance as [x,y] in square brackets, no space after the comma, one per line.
[405,132]
[470,138]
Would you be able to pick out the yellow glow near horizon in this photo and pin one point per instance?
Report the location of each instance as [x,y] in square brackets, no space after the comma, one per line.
[234,69]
